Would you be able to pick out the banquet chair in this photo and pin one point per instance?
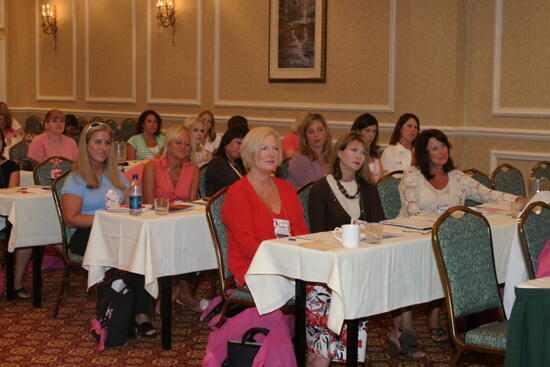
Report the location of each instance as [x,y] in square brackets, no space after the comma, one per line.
[508,179]
[282,170]
[71,260]
[388,189]
[480,177]
[42,171]
[19,151]
[202,181]
[128,129]
[457,232]
[303,195]
[541,169]
[219,238]
[33,125]
[534,231]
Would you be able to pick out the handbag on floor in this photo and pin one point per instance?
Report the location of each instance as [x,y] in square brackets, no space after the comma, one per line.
[112,326]
[241,353]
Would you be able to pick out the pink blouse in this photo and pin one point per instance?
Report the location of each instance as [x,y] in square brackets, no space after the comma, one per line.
[41,148]
[163,185]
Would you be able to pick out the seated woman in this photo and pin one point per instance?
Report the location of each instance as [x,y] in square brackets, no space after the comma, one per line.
[431,186]
[52,142]
[291,142]
[94,179]
[171,175]
[147,142]
[210,140]
[311,162]
[343,195]
[199,155]
[13,133]
[227,167]
[367,126]
[398,155]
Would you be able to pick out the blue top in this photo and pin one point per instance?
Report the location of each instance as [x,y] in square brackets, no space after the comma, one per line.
[92,199]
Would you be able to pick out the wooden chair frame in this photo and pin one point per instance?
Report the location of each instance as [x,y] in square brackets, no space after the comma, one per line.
[537,166]
[509,167]
[46,161]
[528,211]
[474,171]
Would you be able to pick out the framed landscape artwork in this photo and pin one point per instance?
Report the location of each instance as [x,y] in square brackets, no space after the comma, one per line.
[297,40]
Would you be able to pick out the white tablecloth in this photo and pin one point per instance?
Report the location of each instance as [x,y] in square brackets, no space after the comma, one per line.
[365,281]
[516,269]
[32,215]
[152,245]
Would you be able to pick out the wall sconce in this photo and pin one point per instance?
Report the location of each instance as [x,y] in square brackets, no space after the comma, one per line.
[49,19]
[166,14]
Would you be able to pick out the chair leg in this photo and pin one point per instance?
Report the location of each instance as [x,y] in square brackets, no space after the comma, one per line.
[457,356]
[222,314]
[65,282]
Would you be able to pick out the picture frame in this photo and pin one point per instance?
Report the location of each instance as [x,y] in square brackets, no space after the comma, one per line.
[297,40]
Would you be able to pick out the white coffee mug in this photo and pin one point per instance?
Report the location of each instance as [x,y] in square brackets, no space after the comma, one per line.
[349,235]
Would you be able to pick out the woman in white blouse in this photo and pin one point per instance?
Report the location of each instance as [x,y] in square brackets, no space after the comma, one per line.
[398,155]
[431,186]
[210,139]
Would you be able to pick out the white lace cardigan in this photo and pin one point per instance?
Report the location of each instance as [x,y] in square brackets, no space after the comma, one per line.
[417,194]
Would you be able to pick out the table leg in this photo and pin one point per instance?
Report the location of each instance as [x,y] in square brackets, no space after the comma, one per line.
[37,276]
[166,311]
[351,350]
[10,259]
[300,320]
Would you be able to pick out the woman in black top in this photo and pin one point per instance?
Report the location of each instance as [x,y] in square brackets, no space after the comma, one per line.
[227,166]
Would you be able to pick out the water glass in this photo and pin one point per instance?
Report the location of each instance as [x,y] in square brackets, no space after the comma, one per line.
[538,184]
[120,151]
[374,232]
[161,205]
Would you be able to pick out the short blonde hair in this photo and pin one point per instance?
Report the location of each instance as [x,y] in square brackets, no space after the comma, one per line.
[172,133]
[83,167]
[251,145]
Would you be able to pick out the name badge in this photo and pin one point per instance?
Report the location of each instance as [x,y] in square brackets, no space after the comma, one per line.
[281,228]
[442,208]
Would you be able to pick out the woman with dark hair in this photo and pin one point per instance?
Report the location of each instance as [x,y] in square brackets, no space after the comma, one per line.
[147,142]
[312,161]
[398,156]
[52,142]
[431,186]
[367,126]
[237,120]
[227,167]
[343,195]
[210,139]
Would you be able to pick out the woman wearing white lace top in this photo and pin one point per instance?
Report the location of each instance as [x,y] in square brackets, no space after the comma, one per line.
[398,155]
[431,186]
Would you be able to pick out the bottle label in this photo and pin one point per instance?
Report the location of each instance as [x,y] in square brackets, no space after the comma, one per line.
[55,173]
[135,202]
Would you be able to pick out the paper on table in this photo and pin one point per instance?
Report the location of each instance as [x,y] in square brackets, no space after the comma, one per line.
[536,283]
[493,209]
[126,208]
[320,246]
[418,222]
[324,237]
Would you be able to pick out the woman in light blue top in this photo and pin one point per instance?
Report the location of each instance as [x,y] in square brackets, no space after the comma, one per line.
[147,142]
[94,180]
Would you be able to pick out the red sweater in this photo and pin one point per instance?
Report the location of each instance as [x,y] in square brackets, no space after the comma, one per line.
[249,221]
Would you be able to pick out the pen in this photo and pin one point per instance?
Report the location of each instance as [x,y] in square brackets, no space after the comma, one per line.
[291,239]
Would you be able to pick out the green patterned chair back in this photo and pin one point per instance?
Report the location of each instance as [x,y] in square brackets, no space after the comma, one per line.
[128,129]
[480,177]
[202,181]
[19,151]
[508,179]
[463,248]
[33,125]
[534,231]
[303,195]
[388,189]
[282,170]
[218,232]
[541,169]
[42,173]
[57,187]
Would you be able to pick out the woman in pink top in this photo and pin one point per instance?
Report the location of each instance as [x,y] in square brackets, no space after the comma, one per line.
[52,142]
[172,175]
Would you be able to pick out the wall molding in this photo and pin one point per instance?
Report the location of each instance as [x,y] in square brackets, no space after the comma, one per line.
[2,15]
[318,106]
[513,155]
[497,109]
[44,97]
[176,101]
[3,74]
[96,99]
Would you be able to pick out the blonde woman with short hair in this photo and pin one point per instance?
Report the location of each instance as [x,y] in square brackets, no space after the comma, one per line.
[199,155]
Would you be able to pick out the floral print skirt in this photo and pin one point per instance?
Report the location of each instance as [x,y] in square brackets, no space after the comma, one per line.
[320,340]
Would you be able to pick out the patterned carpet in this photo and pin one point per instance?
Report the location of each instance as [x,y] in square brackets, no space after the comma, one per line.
[30,337]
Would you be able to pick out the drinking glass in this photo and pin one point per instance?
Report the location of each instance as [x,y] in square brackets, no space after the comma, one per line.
[161,206]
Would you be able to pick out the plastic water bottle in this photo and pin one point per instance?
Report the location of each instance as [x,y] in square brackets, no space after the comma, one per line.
[56,170]
[135,196]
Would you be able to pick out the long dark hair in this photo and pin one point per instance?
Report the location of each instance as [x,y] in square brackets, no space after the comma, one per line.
[422,155]
[362,122]
[399,124]
[234,132]
[143,116]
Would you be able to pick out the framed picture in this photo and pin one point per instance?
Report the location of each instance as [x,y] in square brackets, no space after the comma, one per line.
[297,40]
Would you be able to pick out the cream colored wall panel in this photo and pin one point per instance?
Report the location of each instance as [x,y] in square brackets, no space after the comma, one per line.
[110,51]
[2,15]
[56,56]
[174,60]
[248,86]
[521,85]
[3,86]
